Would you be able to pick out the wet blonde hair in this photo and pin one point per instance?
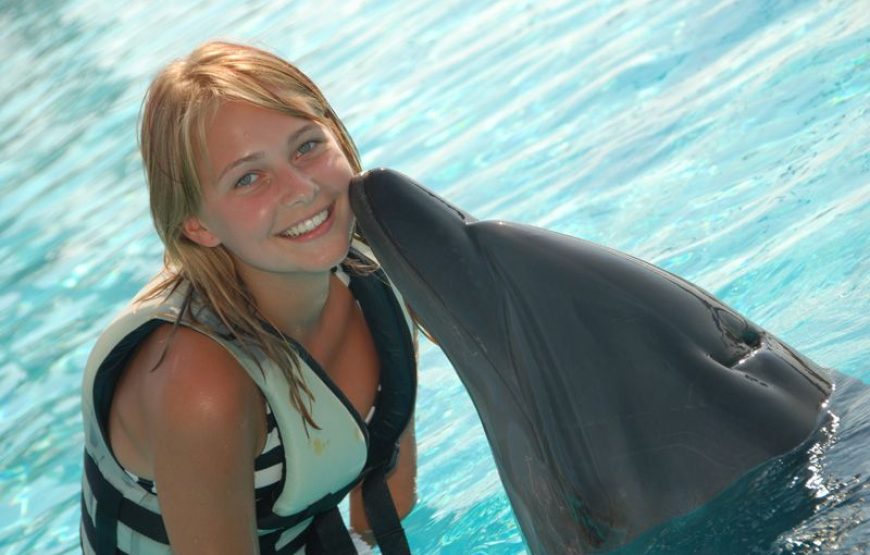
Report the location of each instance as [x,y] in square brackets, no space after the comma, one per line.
[176,111]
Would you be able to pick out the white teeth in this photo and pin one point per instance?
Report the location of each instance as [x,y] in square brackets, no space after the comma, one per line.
[307,225]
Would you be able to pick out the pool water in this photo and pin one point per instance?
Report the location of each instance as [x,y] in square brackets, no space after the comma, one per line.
[728,142]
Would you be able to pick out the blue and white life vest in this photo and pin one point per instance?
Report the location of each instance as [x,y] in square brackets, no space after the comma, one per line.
[319,468]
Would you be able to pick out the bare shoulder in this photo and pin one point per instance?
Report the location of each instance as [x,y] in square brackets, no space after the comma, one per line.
[198,384]
[182,383]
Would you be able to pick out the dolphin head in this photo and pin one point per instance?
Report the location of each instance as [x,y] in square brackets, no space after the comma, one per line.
[614,395]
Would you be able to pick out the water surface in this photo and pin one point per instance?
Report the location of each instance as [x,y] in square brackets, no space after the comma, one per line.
[724,141]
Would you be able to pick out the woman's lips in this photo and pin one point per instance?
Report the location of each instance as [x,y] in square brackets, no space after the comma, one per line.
[312,227]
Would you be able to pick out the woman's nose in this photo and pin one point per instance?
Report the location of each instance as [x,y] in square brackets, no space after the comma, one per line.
[296,186]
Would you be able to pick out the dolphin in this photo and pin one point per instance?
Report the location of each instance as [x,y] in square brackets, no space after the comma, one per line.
[614,395]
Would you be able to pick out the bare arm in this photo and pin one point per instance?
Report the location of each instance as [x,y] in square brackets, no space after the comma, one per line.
[205,429]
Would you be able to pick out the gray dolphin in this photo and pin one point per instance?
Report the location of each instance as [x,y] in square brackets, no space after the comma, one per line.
[614,395]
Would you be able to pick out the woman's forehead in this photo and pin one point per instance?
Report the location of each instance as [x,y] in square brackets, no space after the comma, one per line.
[238,130]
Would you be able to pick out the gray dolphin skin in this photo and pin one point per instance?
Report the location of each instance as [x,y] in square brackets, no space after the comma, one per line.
[615,396]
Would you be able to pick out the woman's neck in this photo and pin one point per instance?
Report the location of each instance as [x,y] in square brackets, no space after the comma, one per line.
[293,303]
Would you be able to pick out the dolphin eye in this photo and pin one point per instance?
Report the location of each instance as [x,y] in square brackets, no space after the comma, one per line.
[751,337]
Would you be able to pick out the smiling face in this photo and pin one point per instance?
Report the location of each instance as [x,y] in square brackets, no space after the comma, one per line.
[274,192]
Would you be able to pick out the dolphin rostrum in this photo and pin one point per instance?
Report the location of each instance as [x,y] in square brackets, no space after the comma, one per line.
[615,396]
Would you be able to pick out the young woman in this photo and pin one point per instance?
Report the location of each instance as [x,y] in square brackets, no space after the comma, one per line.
[269,370]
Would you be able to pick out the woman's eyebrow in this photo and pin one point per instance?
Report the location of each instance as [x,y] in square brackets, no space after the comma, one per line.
[293,137]
[239,162]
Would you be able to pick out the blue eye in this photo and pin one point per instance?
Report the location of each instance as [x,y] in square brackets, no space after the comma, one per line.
[306,147]
[246,180]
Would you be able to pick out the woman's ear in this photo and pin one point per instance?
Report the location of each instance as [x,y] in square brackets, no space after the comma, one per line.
[195,230]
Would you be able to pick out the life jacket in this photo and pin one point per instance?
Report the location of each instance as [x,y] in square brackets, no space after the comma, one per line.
[120,516]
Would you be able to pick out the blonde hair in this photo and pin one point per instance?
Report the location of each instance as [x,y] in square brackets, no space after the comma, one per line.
[176,111]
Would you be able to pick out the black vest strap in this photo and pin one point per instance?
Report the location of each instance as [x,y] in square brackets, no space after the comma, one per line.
[269,542]
[395,348]
[382,515]
[329,536]
[112,507]
[89,531]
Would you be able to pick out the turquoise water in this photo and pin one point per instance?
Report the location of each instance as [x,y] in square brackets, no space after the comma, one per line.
[728,142]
